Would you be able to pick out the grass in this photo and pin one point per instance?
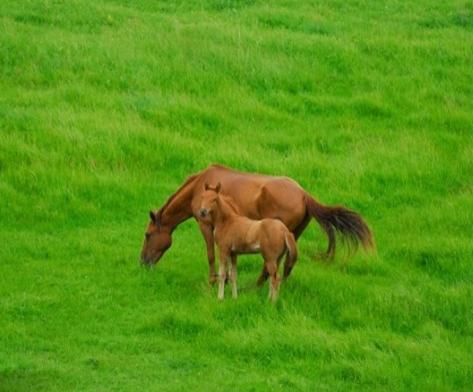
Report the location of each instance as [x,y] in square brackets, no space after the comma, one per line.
[106,107]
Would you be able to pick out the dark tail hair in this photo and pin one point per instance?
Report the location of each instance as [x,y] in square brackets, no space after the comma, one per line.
[339,219]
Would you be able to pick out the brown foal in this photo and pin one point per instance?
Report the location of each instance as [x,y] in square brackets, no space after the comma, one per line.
[236,234]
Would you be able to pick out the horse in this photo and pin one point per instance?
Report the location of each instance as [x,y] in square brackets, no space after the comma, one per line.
[236,234]
[257,196]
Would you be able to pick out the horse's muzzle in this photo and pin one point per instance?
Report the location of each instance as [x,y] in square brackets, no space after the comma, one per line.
[149,261]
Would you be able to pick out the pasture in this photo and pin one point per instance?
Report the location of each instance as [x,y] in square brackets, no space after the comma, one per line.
[107,106]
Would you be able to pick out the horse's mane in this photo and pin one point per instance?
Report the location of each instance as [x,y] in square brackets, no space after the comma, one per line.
[173,196]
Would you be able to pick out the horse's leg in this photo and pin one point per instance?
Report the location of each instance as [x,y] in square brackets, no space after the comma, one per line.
[301,227]
[288,265]
[263,276]
[328,255]
[207,232]
[222,273]
[233,276]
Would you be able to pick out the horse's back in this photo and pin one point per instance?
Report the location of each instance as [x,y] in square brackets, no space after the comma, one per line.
[260,196]
[282,199]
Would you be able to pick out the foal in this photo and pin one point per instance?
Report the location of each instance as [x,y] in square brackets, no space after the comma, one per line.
[236,234]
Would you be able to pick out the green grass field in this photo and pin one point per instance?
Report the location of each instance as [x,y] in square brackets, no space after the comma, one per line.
[107,106]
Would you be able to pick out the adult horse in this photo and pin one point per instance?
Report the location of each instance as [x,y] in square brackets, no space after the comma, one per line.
[257,196]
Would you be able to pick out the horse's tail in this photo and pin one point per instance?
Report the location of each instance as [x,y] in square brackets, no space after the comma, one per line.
[291,256]
[340,219]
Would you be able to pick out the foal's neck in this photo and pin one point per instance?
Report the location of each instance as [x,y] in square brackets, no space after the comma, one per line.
[225,212]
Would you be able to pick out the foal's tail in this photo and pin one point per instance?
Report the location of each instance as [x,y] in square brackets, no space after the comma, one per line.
[291,256]
[340,219]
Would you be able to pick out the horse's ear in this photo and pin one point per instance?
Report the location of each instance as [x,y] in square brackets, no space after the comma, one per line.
[217,188]
[152,215]
[206,186]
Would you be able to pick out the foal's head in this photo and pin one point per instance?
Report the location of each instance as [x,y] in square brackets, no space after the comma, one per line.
[157,240]
[208,203]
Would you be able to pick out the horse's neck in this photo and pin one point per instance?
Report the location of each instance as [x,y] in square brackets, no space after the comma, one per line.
[178,207]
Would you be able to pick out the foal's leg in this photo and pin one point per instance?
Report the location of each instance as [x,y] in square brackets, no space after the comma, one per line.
[272,268]
[222,273]
[233,276]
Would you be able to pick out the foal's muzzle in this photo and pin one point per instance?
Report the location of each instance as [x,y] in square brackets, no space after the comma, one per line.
[203,212]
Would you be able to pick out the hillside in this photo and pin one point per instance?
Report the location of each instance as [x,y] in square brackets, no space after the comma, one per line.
[106,107]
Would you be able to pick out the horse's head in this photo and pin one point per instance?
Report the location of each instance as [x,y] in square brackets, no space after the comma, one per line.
[157,241]
[208,202]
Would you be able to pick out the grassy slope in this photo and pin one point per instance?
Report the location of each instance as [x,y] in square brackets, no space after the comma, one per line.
[105,108]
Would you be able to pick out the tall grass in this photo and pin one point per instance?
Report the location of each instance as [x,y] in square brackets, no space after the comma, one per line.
[106,107]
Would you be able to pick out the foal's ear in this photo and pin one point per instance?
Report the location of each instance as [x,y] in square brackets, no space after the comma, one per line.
[206,186]
[217,188]
[152,215]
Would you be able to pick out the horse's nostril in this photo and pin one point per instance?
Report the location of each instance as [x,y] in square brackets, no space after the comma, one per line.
[203,212]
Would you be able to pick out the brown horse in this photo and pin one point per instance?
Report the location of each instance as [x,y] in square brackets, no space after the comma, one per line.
[236,234]
[256,196]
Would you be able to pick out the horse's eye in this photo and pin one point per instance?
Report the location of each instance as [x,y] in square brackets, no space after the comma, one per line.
[147,235]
